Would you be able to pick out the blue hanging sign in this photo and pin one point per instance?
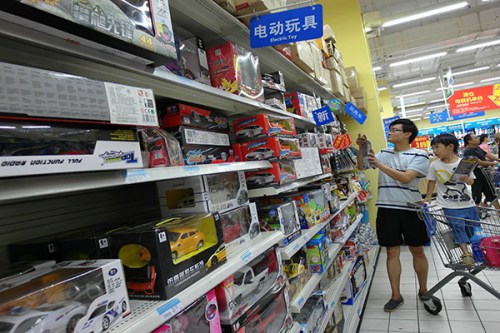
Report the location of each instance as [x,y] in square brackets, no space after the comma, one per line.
[289,26]
[387,122]
[355,113]
[323,116]
[438,117]
[469,115]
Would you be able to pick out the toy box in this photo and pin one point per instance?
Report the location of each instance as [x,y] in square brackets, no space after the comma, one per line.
[308,139]
[79,296]
[326,165]
[274,148]
[273,81]
[200,317]
[182,114]
[239,226]
[309,165]
[317,253]
[164,257]
[162,148]
[297,272]
[195,61]
[355,283]
[263,125]
[210,193]
[295,103]
[269,314]
[28,148]
[280,173]
[243,289]
[313,206]
[325,143]
[276,100]
[281,217]
[45,94]
[332,273]
[312,313]
[142,28]
[236,70]
[204,147]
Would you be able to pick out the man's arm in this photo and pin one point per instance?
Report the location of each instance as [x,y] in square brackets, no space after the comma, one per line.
[401,176]
[492,157]
[431,184]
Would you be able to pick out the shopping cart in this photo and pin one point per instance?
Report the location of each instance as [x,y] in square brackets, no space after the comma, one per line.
[440,232]
[492,175]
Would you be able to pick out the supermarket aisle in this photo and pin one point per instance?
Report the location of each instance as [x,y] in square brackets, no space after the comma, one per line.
[478,314]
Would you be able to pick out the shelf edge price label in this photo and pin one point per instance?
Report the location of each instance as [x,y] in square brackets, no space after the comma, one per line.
[247,256]
[136,176]
[170,309]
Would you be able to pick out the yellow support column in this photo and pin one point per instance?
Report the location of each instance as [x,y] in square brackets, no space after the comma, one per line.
[344,16]
[386,103]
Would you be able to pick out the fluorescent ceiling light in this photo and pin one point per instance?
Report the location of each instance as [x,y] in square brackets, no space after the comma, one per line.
[414,110]
[417,59]
[427,117]
[478,46]
[377,68]
[382,88]
[416,93]
[491,79]
[409,83]
[473,70]
[428,13]
[457,86]
[498,65]
[436,100]
[410,105]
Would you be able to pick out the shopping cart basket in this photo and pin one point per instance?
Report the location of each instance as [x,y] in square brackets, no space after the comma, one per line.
[492,176]
[440,232]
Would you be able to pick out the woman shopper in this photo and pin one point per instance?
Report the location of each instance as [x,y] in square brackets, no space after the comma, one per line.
[484,143]
[481,184]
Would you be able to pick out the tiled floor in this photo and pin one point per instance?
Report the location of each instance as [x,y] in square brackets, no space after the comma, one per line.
[478,314]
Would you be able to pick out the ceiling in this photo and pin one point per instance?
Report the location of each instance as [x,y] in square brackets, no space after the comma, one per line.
[475,23]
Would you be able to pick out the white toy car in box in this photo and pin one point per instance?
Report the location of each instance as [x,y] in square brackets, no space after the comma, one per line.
[72,296]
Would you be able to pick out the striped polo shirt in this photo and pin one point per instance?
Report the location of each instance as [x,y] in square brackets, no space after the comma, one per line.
[394,194]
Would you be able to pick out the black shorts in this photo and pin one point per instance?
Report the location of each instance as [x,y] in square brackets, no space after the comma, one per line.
[400,227]
[482,186]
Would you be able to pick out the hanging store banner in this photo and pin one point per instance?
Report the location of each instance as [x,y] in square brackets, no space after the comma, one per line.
[450,81]
[475,99]
[421,142]
[323,116]
[438,117]
[355,113]
[468,115]
[287,27]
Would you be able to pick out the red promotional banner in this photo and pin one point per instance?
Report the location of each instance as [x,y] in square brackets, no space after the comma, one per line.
[421,142]
[346,141]
[474,100]
[337,142]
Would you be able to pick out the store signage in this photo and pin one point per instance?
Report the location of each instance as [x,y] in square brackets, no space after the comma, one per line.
[323,116]
[450,81]
[475,99]
[288,26]
[438,117]
[337,142]
[468,115]
[421,142]
[346,141]
[335,104]
[355,113]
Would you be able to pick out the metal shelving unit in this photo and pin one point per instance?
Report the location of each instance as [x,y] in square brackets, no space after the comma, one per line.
[24,187]
[275,190]
[148,315]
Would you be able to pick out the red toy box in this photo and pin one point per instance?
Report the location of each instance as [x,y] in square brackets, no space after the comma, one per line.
[236,70]
[182,114]
[164,257]
[274,148]
[200,317]
[162,148]
[280,173]
[239,226]
[263,125]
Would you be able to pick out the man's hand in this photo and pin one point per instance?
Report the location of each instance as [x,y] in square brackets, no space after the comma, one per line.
[361,139]
[374,162]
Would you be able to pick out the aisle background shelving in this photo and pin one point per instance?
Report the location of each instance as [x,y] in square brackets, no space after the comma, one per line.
[275,190]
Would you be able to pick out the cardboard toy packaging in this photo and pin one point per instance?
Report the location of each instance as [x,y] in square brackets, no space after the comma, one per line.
[72,296]
[180,114]
[263,125]
[239,226]
[280,173]
[283,218]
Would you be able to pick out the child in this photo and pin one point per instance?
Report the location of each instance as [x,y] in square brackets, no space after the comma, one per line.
[454,197]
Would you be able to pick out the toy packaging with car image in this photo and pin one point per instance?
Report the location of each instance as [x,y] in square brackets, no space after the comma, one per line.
[162,148]
[272,149]
[31,148]
[273,82]
[312,313]
[298,273]
[202,316]
[72,296]
[263,126]
[201,194]
[142,28]
[240,291]
[235,70]
[312,207]
[164,257]
[317,253]
[239,226]
[194,60]
[187,115]
[282,217]
[270,314]
[280,173]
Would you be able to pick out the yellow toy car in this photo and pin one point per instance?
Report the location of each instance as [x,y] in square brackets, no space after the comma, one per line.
[218,256]
[185,240]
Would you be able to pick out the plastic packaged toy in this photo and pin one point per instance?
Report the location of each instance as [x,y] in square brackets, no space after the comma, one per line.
[312,313]
[281,217]
[272,149]
[182,114]
[200,317]
[280,173]
[194,59]
[239,226]
[164,150]
[164,257]
[263,125]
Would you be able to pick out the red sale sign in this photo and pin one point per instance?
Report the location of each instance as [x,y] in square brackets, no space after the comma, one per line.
[421,142]
[474,100]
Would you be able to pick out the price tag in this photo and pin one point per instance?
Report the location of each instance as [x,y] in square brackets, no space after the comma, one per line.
[136,176]
[192,169]
[300,301]
[170,309]
[247,256]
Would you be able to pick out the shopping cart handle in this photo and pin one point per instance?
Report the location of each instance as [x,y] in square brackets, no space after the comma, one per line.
[416,204]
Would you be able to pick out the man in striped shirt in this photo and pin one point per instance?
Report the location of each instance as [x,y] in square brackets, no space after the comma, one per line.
[400,169]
